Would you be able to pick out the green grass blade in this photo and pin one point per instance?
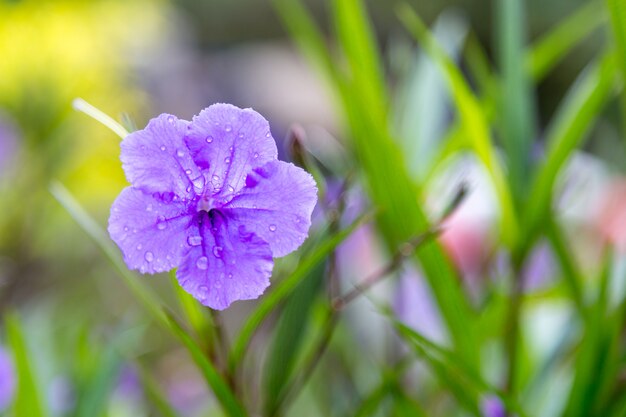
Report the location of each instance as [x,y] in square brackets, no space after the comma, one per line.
[306,34]
[455,371]
[272,300]
[357,40]
[516,110]
[567,262]
[472,118]
[100,237]
[28,401]
[617,11]
[388,182]
[93,400]
[575,116]
[155,395]
[545,53]
[288,338]
[220,388]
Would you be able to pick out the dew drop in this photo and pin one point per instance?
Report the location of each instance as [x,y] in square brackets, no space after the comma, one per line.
[217,251]
[231,189]
[126,228]
[188,171]
[204,291]
[139,246]
[231,149]
[272,227]
[180,153]
[161,223]
[170,119]
[194,240]
[241,136]
[163,148]
[228,128]
[149,257]
[230,276]
[149,207]
[256,155]
[209,139]
[227,160]
[188,189]
[198,183]
[202,263]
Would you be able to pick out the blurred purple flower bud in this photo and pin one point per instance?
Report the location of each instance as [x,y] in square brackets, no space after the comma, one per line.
[7,379]
[491,406]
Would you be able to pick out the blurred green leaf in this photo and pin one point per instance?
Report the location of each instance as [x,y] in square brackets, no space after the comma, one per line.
[515,95]
[545,53]
[593,359]
[196,315]
[568,128]
[361,89]
[154,394]
[283,289]
[92,401]
[453,369]
[220,388]
[617,11]
[567,262]
[99,236]
[28,400]
[472,119]
[288,337]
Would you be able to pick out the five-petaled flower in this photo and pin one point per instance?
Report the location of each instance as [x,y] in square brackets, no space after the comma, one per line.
[210,198]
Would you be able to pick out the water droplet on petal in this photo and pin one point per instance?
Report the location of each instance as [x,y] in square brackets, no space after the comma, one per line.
[170,119]
[231,149]
[217,251]
[139,246]
[256,155]
[230,276]
[231,189]
[163,148]
[149,207]
[227,160]
[202,263]
[180,153]
[209,139]
[188,171]
[194,240]
[126,228]
[198,183]
[204,291]
[228,128]
[272,227]
[268,135]
[149,257]
[217,284]
[161,223]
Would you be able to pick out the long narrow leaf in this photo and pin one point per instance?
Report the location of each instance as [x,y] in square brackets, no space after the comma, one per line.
[472,119]
[28,400]
[546,52]
[220,388]
[574,118]
[99,236]
[284,288]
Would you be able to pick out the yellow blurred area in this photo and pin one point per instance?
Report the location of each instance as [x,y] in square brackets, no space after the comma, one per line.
[54,51]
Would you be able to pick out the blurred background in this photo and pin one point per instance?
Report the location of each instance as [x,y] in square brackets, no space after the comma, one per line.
[137,59]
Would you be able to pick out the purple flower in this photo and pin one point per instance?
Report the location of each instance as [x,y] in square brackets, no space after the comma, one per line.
[491,406]
[7,380]
[210,198]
